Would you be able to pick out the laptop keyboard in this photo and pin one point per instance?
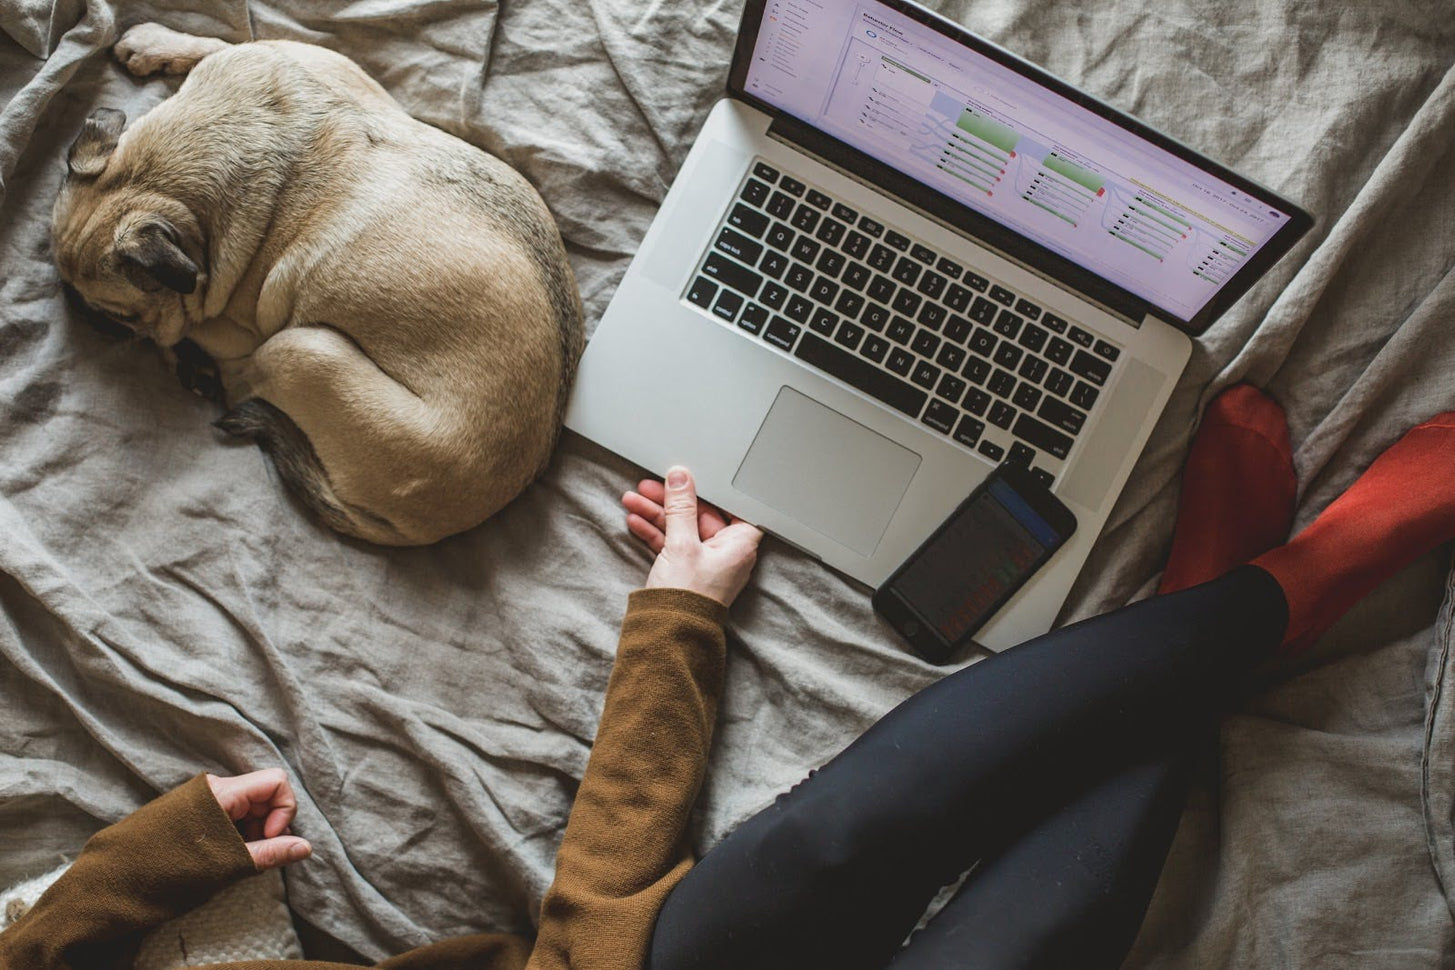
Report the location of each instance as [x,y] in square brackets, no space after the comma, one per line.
[935,340]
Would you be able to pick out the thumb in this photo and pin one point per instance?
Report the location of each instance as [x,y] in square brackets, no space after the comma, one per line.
[680,505]
[280,851]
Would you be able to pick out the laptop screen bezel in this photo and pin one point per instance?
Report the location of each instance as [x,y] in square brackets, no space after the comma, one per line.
[996,234]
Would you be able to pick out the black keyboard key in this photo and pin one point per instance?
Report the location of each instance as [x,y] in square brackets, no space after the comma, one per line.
[925,374]
[824,290]
[977,369]
[824,321]
[881,258]
[843,212]
[805,217]
[1059,351]
[830,231]
[701,292]
[1007,355]
[773,296]
[1008,324]
[1001,414]
[782,333]
[871,227]
[932,315]
[1033,369]
[1079,336]
[991,450]
[849,335]
[932,284]
[780,205]
[805,249]
[1052,322]
[900,330]
[754,192]
[950,356]
[798,309]
[830,261]
[982,311]
[856,244]
[765,172]
[753,318]
[983,342]
[882,289]
[849,304]
[957,298]
[1061,415]
[750,221]
[729,273]
[1001,383]
[898,241]
[941,416]
[1094,369]
[969,430]
[738,246]
[1043,476]
[773,265]
[977,402]
[958,329]
[906,271]
[900,361]
[1027,309]
[1084,396]
[859,373]
[856,276]
[875,347]
[799,277]
[817,199]
[1033,338]
[907,302]
[1021,453]
[780,237]
[975,281]
[1027,396]
[923,253]
[1059,382]
[949,267]
[951,387]
[874,316]
[792,186]
[1042,436]
[925,343]
[1002,296]
[1104,349]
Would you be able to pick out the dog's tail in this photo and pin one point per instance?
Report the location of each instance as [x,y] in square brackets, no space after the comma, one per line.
[293,455]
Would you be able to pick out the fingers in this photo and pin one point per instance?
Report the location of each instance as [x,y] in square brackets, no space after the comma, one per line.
[274,852]
[680,507]
[646,531]
[261,802]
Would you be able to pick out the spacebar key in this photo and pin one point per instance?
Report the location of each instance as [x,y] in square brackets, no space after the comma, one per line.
[898,394]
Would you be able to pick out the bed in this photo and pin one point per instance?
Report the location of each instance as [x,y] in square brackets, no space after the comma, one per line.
[166,608]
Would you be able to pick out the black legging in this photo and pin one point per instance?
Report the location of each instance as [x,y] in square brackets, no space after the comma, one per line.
[1054,765]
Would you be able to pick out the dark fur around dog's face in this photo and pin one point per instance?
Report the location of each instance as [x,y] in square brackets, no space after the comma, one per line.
[132,255]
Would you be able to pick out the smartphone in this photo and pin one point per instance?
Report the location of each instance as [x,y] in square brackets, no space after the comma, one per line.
[974,562]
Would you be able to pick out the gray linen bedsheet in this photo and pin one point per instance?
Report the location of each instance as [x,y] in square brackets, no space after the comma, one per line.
[167,608]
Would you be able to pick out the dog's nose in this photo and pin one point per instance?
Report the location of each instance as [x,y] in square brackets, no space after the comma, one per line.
[98,321]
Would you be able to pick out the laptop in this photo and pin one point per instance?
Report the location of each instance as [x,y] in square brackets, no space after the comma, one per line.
[898,255]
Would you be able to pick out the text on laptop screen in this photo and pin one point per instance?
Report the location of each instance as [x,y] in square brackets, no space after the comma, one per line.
[1057,173]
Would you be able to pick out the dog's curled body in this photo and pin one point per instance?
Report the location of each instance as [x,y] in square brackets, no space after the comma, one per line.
[390,309]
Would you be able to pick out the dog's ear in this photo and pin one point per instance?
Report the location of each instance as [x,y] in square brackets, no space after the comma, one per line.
[94,145]
[152,257]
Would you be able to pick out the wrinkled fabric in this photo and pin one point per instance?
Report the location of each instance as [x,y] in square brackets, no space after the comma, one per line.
[168,608]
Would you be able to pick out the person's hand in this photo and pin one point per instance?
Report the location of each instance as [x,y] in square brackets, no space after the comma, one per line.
[697,547]
[263,806]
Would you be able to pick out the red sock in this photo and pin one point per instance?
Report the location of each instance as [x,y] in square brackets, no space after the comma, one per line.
[1398,510]
[1237,489]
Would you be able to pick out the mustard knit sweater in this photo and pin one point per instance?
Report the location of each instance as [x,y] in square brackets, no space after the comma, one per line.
[624,849]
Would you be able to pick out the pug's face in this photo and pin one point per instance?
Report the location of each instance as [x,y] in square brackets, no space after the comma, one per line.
[130,253]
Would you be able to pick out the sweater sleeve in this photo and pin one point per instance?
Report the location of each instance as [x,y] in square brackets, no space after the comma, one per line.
[625,845]
[160,861]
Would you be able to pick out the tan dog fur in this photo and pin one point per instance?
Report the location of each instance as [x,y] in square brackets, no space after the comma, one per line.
[390,309]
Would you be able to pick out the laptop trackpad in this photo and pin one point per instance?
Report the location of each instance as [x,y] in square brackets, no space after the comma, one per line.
[827,471]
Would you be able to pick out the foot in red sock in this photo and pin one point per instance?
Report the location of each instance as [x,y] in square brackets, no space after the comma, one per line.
[1238,489]
[1397,511]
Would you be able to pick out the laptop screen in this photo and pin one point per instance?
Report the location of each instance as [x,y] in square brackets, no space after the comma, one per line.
[1055,171]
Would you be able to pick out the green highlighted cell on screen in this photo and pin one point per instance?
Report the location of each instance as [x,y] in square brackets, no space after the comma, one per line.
[905,68]
[990,132]
[1081,176]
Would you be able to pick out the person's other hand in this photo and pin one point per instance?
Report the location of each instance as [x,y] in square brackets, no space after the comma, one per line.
[263,806]
[697,547]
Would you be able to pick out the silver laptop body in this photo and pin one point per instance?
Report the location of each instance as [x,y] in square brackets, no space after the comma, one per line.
[847,403]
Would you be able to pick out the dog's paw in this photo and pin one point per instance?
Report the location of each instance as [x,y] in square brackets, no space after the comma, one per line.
[197,371]
[148,49]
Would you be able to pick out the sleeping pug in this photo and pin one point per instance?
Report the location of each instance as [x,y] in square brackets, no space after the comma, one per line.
[390,310]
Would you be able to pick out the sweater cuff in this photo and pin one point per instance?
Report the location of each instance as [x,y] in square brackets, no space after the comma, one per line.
[677,601]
